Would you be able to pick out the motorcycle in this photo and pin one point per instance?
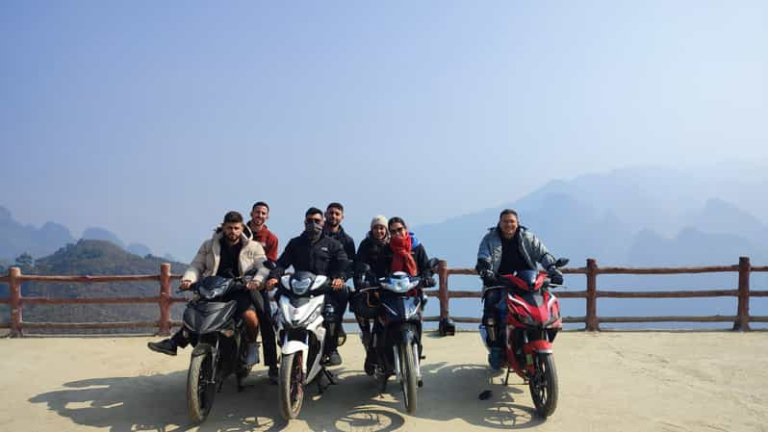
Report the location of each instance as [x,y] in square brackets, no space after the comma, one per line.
[396,337]
[532,319]
[300,301]
[218,335]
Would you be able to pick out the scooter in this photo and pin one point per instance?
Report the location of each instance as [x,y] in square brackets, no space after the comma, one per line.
[300,299]
[531,315]
[218,335]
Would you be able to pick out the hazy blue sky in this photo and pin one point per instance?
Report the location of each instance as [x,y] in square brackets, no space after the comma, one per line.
[152,119]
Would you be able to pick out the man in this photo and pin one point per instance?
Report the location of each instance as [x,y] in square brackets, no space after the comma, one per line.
[314,251]
[334,214]
[507,248]
[257,225]
[229,253]
[261,234]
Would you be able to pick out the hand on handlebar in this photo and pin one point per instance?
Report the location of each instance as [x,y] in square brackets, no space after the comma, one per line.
[337,284]
[253,285]
[184,285]
[271,282]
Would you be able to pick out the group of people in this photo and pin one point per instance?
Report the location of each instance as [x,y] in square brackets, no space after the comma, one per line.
[324,248]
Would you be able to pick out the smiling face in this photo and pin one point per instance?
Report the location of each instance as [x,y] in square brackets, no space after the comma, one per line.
[508,225]
[259,215]
[379,232]
[333,218]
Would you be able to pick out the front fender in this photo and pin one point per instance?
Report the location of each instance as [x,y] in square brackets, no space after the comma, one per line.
[293,346]
[539,346]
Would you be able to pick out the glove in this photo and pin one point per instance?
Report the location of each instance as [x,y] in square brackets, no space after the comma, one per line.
[488,277]
[427,282]
[555,276]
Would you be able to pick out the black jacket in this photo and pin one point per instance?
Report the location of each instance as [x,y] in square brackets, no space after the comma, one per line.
[376,254]
[346,241]
[325,257]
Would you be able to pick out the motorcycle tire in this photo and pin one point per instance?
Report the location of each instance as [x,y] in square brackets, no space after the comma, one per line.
[291,385]
[543,384]
[409,380]
[201,387]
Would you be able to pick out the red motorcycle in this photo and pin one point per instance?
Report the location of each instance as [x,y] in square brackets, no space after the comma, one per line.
[532,317]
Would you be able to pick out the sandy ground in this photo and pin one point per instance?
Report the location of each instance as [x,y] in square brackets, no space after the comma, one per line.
[608,382]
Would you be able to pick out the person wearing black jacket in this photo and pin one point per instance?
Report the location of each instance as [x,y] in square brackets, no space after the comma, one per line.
[375,252]
[316,252]
[334,214]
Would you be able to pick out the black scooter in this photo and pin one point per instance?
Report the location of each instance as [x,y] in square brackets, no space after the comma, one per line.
[218,335]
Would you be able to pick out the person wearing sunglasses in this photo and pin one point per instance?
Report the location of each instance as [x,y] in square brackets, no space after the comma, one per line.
[314,251]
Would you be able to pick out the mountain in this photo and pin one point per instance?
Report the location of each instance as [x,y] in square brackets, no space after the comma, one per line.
[94,257]
[18,238]
[95,233]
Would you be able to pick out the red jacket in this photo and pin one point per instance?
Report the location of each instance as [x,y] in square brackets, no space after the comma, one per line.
[268,240]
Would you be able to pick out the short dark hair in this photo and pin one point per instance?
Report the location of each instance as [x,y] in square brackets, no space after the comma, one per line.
[397,219]
[313,211]
[233,217]
[508,211]
[336,206]
[260,203]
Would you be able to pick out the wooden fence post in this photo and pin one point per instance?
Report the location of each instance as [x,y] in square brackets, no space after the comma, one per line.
[742,318]
[442,272]
[591,318]
[165,300]
[15,285]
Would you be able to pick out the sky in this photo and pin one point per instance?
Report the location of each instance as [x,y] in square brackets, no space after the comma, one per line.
[153,119]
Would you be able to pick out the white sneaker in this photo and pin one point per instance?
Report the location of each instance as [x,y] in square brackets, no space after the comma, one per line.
[253,354]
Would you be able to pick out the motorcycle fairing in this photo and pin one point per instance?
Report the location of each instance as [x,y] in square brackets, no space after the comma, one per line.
[208,317]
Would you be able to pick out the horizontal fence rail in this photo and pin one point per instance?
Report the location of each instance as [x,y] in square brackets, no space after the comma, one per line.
[592,321]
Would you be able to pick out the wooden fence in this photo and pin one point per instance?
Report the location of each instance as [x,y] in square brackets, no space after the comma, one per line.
[591,319]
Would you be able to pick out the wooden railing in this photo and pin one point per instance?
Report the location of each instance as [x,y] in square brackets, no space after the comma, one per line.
[163,300]
[591,320]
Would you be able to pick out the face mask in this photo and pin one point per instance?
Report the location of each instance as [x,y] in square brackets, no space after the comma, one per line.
[313,229]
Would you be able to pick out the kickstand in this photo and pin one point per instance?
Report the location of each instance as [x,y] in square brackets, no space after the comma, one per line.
[506,379]
[321,388]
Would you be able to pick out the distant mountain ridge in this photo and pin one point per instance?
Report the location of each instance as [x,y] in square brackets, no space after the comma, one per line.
[637,217]
[38,242]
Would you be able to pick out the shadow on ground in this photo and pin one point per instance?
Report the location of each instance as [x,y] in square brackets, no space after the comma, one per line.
[158,403]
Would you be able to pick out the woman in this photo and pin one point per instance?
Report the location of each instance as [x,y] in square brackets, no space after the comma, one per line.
[408,254]
[373,250]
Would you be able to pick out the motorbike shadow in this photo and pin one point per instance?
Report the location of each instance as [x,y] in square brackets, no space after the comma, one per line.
[158,403]
[450,392]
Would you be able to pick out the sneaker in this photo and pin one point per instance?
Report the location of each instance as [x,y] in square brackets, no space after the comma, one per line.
[273,375]
[253,354]
[165,346]
[334,359]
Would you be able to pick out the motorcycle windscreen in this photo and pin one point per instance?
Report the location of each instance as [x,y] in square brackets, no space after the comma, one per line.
[206,317]
[401,308]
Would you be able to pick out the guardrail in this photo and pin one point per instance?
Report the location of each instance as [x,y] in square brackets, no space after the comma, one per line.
[591,319]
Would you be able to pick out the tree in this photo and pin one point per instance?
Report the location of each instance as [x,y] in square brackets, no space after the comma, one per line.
[25,262]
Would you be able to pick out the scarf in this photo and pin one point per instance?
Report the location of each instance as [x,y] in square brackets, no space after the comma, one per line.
[402,259]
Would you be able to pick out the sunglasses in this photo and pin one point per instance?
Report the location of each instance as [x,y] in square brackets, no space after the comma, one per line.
[315,220]
[397,230]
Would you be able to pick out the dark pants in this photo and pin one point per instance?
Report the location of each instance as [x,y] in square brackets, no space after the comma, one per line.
[491,319]
[333,315]
[268,344]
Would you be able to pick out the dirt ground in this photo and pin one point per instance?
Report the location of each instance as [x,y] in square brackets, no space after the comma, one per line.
[650,381]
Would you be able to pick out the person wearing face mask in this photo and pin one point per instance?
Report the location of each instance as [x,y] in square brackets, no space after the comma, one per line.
[374,250]
[316,252]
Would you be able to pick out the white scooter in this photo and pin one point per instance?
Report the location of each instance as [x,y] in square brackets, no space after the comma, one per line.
[300,300]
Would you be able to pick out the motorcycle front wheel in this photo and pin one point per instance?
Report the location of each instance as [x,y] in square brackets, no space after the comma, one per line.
[543,384]
[409,379]
[201,387]
[291,385]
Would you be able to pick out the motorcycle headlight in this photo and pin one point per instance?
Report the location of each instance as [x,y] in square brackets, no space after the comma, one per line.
[300,286]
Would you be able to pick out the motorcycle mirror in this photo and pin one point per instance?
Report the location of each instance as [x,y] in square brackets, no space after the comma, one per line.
[562,262]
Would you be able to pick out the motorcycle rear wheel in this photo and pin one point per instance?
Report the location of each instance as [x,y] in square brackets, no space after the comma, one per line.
[201,387]
[291,385]
[409,379]
[543,384]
